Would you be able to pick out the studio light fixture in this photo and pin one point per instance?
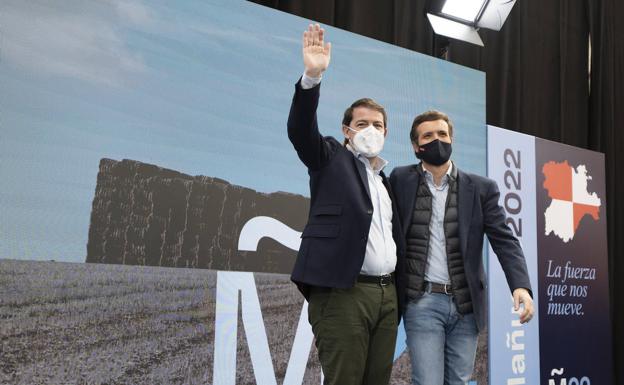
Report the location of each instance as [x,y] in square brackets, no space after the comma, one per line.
[461,19]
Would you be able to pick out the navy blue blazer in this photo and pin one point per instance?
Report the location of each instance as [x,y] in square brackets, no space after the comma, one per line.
[479,213]
[334,240]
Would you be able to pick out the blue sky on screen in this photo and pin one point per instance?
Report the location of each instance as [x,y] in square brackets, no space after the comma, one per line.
[201,87]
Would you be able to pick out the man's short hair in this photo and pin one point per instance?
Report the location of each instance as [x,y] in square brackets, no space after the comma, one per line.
[367,103]
[429,116]
[364,102]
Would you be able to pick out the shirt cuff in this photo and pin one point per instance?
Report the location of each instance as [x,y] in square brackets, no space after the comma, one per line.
[308,82]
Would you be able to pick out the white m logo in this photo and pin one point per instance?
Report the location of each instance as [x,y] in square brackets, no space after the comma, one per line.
[229,284]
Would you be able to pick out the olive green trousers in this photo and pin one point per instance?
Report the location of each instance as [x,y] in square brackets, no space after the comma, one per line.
[355,332]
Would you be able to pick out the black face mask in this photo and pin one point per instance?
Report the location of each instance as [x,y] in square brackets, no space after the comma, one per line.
[435,152]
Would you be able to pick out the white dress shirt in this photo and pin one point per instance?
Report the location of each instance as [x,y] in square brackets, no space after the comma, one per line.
[380,257]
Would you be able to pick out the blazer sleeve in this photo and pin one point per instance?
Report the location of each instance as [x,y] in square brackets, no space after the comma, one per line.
[303,132]
[503,242]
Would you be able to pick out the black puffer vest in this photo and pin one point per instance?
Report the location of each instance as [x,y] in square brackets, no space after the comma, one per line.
[418,244]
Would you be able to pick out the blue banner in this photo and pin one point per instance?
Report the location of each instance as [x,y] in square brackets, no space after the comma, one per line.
[513,348]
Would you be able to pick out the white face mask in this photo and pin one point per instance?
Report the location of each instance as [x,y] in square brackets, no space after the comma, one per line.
[368,142]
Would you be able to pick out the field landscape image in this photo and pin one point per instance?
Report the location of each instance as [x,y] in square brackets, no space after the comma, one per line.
[74,323]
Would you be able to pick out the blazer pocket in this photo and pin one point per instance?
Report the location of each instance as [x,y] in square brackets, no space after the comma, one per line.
[321,231]
[327,210]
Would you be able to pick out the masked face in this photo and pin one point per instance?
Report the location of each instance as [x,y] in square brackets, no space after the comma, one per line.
[368,141]
[436,152]
[433,142]
[366,132]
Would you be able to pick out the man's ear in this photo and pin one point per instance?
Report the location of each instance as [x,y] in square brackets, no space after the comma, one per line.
[345,131]
[385,131]
[415,146]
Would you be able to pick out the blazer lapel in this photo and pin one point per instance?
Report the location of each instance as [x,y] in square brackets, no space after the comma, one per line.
[362,172]
[409,196]
[465,203]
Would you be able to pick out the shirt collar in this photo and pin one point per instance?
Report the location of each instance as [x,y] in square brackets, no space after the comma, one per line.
[381,162]
[448,175]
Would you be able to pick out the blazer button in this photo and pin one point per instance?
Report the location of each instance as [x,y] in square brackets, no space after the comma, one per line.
[369,211]
[365,239]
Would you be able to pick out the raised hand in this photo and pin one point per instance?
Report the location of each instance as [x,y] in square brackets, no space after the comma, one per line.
[316,53]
